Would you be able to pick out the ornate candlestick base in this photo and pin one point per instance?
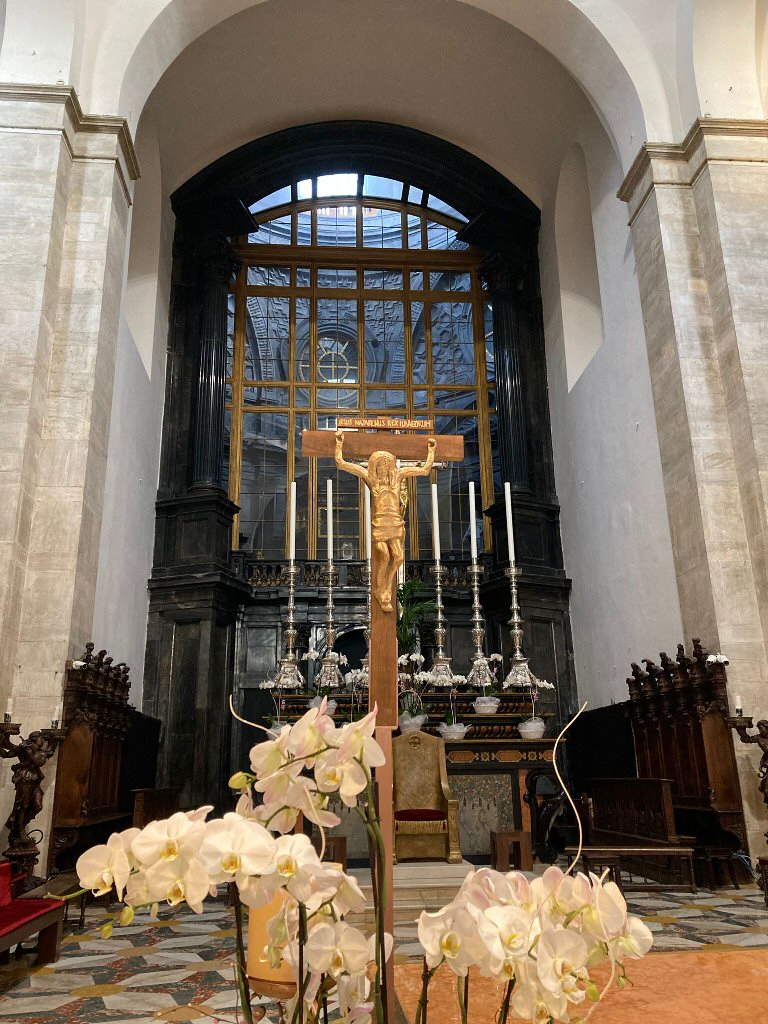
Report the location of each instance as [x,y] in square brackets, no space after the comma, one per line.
[441,670]
[329,676]
[519,675]
[481,675]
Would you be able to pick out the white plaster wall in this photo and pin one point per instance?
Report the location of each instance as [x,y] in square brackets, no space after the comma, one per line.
[128,530]
[616,538]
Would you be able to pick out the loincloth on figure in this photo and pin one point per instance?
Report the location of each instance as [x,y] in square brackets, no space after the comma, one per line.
[386,527]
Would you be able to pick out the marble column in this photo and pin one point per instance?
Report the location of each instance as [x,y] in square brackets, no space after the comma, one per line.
[505,278]
[698,212]
[216,265]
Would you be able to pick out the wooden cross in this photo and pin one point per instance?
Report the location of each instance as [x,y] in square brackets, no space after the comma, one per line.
[382,663]
[375,450]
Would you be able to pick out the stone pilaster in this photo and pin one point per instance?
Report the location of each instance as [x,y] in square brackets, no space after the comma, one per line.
[69,186]
[698,213]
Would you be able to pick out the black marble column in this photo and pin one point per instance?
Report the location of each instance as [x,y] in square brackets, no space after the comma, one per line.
[505,277]
[216,264]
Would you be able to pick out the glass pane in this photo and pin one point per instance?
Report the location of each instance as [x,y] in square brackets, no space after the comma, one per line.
[265,396]
[454,243]
[278,198]
[490,359]
[420,400]
[336,277]
[304,227]
[459,281]
[336,185]
[414,231]
[453,353]
[273,232]
[263,483]
[336,225]
[337,341]
[303,354]
[301,476]
[346,500]
[384,280]
[459,400]
[266,337]
[437,235]
[273,277]
[383,188]
[415,195]
[437,204]
[301,397]
[417,280]
[384,341]
[230,332]
[337,398]
[453,492]
[303,279]
[381,228]
[418,343]
[379,399]
[304,189]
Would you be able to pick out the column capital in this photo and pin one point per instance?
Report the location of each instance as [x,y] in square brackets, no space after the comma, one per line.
[216,260]
[504,273]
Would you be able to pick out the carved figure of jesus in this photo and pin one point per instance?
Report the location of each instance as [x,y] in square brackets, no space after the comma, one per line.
[383,478]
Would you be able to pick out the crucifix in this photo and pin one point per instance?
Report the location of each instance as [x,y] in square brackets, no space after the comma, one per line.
[383,462]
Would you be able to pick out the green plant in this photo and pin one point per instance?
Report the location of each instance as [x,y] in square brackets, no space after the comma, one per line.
[412,609]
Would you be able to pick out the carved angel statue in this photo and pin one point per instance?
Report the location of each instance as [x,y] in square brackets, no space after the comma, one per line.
[383,478]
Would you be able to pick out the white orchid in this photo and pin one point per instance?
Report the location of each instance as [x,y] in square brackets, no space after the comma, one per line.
[346,777]
[356,741]
[177,837]
[450,935]
[235,849]
[337,947]
[561,956]
[176,881]
[102,867]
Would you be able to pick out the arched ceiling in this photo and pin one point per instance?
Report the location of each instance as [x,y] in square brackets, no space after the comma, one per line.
[468,79]
[129,48]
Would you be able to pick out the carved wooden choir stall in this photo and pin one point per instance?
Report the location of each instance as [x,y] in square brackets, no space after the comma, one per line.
[108,749]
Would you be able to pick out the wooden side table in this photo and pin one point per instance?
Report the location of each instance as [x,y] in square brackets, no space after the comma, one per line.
[514,844]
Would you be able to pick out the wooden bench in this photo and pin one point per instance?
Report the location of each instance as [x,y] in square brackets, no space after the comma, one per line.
[595,857]
[22,918]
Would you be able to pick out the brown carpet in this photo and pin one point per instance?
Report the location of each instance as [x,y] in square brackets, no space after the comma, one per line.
[729,987]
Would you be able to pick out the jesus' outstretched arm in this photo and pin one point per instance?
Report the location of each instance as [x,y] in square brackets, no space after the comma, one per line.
[423,467]
[350,467]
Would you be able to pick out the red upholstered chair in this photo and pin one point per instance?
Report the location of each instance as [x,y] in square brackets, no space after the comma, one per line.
[22,918]
[425,812]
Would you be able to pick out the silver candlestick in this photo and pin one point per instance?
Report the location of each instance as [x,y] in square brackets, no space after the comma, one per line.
[441,663]
[329,676]
[365,663]
[520,675]
[288,675]
[481,673]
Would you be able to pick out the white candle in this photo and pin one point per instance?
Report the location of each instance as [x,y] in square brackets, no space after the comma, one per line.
[472,533]
[292,524]
[329,512]
[510,531]
[9,707]
[737,702]
[435,525]
[57,713]
[367,513]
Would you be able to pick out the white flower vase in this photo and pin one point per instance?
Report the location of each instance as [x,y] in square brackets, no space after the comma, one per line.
[457,731]
[411,723]
[532,728]
[486,705]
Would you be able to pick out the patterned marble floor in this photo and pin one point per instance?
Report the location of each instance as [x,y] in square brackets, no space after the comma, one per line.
[180,967]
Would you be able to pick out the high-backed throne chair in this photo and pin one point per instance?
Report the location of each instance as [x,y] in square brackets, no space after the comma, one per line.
[426,814]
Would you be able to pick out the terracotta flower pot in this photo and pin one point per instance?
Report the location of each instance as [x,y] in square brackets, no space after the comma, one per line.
[274,982]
